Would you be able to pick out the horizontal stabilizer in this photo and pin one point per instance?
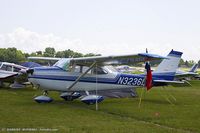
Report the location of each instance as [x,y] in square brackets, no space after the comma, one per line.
[168,81]
[173,83]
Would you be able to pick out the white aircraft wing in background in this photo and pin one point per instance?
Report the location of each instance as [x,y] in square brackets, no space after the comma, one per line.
[6,74]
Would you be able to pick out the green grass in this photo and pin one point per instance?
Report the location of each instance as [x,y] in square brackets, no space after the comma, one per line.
[156,114]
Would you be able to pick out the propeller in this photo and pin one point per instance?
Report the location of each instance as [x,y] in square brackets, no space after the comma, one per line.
[31,70]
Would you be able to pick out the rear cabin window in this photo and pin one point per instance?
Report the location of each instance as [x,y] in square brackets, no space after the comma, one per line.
[85,68]
[77,69]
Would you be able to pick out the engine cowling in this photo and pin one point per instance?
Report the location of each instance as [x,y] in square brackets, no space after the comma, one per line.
[43,99]
[92,99]
[70,96]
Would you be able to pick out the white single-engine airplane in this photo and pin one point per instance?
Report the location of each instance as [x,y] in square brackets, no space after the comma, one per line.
[187,75]
[72,75]
[10,72]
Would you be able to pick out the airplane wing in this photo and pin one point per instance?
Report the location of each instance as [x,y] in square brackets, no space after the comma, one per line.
[107,60]
[5,74]
[64,63]
[117,59]
[44,58]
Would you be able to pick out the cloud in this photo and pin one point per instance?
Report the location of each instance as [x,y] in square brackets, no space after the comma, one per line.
[29,41]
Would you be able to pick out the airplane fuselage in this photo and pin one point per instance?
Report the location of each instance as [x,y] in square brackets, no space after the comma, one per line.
[54,78]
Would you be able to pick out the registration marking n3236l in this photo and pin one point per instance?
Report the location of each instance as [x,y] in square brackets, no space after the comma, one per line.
[131,81]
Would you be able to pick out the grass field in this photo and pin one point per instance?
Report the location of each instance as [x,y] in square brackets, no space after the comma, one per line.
[18,111]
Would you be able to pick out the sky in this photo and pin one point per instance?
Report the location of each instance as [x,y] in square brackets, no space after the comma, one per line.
[107,27]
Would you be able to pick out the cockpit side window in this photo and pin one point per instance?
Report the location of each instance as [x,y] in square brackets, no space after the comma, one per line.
[6,68]
[99,70]
[15,69]
[95,70]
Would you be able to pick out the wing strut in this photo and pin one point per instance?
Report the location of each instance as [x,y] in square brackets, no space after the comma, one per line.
[83,74]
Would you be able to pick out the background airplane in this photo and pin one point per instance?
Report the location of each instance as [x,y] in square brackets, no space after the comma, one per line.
[180,75]
[10,72]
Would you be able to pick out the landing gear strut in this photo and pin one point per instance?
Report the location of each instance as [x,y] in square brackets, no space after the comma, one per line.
[45,93]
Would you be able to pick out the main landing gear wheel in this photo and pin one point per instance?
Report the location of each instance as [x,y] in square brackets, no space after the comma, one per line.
[68,96]
[43,98]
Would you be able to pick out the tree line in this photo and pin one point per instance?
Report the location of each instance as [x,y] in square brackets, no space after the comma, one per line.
[17,56]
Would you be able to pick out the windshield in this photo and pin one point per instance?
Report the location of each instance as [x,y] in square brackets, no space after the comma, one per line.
[63,63]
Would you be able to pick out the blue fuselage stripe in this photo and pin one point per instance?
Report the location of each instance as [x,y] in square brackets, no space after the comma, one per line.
[100,80]
[119,79]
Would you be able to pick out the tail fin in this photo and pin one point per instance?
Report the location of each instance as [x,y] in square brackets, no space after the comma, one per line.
[167,68]
[170,64]
[194,68]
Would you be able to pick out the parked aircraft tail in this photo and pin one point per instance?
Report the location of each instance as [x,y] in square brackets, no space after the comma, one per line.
[194,68]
